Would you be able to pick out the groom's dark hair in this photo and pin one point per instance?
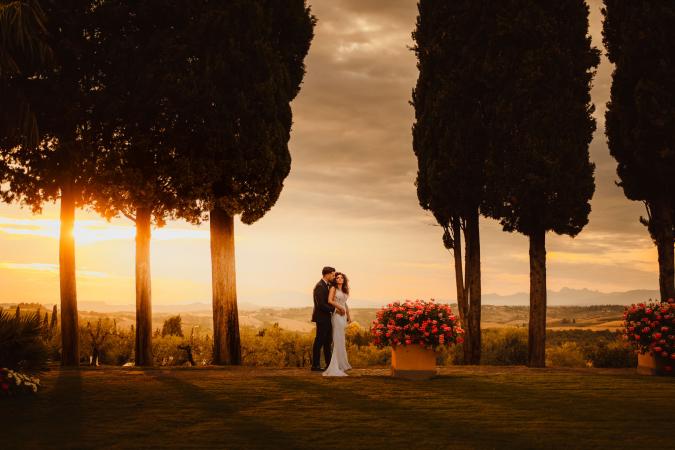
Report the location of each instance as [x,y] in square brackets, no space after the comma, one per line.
[326,270]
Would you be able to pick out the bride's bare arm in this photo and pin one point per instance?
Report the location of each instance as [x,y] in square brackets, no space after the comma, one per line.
[349,316]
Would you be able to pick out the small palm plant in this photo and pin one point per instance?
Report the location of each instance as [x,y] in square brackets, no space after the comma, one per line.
[22,346]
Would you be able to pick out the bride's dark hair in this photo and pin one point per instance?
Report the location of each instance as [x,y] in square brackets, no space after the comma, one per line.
[345,285]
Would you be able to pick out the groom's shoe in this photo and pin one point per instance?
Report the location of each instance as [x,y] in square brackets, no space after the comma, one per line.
[317,369]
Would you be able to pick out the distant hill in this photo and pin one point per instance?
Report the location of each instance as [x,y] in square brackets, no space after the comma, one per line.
[563,297]
[592,317]
[575,297]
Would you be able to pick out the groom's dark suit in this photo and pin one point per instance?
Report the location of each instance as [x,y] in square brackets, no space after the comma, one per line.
[324,328]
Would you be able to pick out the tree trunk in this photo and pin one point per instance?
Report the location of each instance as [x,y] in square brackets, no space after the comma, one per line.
[462,295]
[226,344]
[70,353]
[662,226]
[143,289]
[472,238]
[537,328]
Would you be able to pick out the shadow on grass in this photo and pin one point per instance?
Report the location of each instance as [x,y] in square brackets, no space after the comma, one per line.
[598,396]
[436,426]
[241,430]
[57,411]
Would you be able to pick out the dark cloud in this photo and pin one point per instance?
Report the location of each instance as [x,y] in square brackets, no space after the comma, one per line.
[352,144]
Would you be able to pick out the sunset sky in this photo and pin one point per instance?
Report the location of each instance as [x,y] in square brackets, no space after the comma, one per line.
[350,201]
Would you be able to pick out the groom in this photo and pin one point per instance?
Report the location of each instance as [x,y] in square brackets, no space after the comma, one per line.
[322,317]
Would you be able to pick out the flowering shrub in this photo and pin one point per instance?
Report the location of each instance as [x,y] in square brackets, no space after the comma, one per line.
[650,327]
[12,382]
[418,322]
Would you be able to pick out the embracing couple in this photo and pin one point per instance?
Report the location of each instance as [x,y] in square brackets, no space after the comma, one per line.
[331,315]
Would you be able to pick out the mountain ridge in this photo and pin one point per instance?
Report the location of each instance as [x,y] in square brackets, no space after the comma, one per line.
[564,297]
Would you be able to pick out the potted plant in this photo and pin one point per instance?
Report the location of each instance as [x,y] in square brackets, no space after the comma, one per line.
[650,329]
[414,329]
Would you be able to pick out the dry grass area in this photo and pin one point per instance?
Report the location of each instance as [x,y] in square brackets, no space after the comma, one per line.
[243,407]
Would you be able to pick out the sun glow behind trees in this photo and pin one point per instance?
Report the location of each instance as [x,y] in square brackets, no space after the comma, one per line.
[92,231]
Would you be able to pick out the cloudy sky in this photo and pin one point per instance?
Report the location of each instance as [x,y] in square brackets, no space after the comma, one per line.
[349,201]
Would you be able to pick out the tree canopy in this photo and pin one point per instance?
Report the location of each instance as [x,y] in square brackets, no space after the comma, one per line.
[24,48]
[246,65]
[450,134]
[640,118]
[539,161]
[173,326]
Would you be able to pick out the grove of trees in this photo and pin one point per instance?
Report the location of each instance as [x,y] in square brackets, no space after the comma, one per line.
[503,127]
[151,110]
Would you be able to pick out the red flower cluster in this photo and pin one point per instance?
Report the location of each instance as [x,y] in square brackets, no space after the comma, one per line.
[650,327]
[418,322]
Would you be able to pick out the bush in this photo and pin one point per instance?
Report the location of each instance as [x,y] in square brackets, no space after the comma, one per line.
[173,350]
[276,347]
[165,351]
[21,344]
[613,354]
[568,354]
[118,349]
[368,355]
[504,347]
[450,355]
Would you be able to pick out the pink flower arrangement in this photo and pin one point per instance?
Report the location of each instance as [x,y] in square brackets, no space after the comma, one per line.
[425,323]
[650,328]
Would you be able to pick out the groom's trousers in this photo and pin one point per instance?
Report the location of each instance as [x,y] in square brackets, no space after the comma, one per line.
[323,339]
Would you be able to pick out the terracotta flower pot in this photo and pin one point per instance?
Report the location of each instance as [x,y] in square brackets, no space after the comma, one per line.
[648,364]
[413,362]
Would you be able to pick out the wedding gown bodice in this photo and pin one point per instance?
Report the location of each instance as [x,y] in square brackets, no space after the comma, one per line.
[341,298]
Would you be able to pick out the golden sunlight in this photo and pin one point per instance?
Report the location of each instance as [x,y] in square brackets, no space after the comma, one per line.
[92,231]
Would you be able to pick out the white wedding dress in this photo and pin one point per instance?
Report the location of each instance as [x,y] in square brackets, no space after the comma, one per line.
[338,361]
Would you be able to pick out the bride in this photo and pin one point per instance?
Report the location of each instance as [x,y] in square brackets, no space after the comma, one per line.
[337,297]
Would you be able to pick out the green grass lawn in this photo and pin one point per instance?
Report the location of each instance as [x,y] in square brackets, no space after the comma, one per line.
[464,407]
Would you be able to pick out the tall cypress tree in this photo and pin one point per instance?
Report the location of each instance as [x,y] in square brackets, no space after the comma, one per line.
[57,163]
[640,40]
[136,67]
[539,163]
[52,324]
[451,137]
[246,65]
